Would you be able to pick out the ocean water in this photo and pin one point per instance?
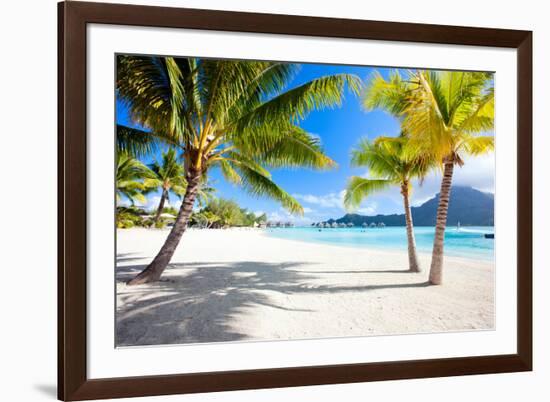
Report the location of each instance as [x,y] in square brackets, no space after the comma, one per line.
[466,242]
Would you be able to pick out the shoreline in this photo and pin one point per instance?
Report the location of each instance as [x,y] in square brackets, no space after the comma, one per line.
[373,248]
[239,285]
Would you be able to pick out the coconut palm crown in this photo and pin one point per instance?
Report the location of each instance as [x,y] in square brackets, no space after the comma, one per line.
[238,116]
[130,174]
[168,176]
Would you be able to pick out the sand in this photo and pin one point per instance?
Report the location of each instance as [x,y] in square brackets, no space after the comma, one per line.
[240,284]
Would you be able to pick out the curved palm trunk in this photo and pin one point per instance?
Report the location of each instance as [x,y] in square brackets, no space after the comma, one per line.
[161,206]
[153,272]
[436,269]
[414,266]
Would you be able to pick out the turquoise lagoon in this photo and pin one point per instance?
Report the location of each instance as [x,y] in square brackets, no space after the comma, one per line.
[466,242]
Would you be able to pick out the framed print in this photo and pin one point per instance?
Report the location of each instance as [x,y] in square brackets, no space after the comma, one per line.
[253,201]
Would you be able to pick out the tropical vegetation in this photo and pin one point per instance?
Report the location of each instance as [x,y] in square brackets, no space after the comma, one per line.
[238,116]
[221,212]
[129,177]
[447,114]
[168,177]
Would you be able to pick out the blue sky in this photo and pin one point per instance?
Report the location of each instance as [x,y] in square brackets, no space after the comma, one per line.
[321,192]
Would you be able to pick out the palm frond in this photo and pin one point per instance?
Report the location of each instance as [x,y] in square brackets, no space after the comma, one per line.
[390,95]
[130,174]
[294,148]
[293,105]
[259,185]
[135,142]
[358,188]
[229,173]
[381,160]
[478,145]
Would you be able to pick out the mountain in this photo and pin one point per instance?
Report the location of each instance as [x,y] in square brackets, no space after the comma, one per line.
[468,206]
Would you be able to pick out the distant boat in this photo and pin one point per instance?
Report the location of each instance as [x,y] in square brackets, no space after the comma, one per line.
[489,235]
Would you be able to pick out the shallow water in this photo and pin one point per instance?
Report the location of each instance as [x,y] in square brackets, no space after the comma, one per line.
[467,242]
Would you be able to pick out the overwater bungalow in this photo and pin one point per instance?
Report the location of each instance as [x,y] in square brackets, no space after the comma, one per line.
[334,225]
[364,224]
[381,225]
[342,225]
[350,225]
[372,225]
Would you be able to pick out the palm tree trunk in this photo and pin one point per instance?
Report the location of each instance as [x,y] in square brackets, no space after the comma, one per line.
[153,272]
[436,269]
[161,206]
[414,266]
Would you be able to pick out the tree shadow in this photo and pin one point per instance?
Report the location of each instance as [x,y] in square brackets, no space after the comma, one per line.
[374,271]
[127,257]
[200,303]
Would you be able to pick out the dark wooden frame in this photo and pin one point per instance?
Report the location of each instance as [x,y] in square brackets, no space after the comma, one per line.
[73,17]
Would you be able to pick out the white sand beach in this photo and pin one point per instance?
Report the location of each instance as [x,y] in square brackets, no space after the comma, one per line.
[238,285]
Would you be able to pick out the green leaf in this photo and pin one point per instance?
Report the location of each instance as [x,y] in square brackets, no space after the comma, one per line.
[359,188]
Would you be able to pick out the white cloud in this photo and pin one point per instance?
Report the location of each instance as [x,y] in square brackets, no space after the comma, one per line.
[279,216]
[369,209]
[282,215]
[477,172]
[330,200]
[148,201]
[152,202]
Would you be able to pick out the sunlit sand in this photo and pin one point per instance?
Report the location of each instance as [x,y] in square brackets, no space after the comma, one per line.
[239,285]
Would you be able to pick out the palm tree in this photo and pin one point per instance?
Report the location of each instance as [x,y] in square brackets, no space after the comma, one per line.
[168,175]
[205,192]
[233,115]
[443,113]
[210,218]
[389,165]
[130,174]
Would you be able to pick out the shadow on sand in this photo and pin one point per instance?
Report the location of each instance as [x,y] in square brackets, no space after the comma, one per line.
[199,304]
